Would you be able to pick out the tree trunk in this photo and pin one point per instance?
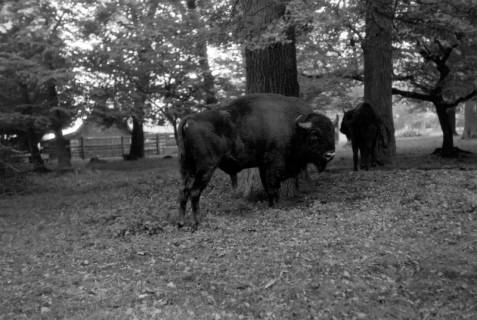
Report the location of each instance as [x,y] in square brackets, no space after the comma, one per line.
[447,133]
[378,68]
[63,152]
[272,69]
[452,119]
[35,155]
[137,140]
[470,120]
[201,48]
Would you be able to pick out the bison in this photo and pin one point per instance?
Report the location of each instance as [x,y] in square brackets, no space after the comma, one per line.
[363,127]
[279,135]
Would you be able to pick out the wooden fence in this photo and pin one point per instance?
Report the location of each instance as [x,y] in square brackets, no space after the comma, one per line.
[111,147]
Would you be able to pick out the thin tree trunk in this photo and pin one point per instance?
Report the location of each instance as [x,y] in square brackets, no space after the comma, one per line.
[201,47]
[470,120]
[35,155]
[62,150]
[378,68]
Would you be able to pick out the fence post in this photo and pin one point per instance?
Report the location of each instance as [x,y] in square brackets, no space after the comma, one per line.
[82,148]
[157,144]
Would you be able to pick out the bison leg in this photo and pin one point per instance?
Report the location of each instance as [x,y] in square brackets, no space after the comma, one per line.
[365,155]
[271,184]
[354,145]
[201,181]
[184,195]
[233,179]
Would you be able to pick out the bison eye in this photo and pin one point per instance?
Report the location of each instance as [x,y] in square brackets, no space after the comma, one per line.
[314,138]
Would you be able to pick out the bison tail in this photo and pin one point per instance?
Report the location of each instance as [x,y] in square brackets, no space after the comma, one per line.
[180,139]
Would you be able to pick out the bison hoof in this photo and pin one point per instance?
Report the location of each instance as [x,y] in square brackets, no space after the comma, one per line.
[194,227]
[180,225]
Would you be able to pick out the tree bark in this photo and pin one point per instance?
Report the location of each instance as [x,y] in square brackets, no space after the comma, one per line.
[470,120]
[62,150]
[378,68]
[136,150]
[447,132]
[270,69]
[35,155]
[452,119]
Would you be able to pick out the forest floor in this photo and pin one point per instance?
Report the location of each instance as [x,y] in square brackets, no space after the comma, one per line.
[397,242]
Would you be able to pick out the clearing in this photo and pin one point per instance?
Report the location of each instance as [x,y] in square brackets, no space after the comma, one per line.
[399,242]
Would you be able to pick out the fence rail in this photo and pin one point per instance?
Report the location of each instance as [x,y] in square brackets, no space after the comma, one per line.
[109,147]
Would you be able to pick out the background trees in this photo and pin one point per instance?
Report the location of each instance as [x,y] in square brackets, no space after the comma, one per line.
[435,59]
[137,62]
[35,76]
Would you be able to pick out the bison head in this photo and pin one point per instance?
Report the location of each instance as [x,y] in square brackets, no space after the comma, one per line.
[346,124]
[316,139]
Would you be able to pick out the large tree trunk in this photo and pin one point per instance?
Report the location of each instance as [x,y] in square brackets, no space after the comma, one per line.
[452,119]
[470,120]
[378,68]
[136,150]
[271,69]
[201,48]
[447,133]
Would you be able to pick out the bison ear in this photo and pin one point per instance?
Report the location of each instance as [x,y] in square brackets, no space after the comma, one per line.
[305,125]
[299,118]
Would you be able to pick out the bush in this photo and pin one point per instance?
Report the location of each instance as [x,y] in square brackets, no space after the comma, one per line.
[13,170]
[409,132]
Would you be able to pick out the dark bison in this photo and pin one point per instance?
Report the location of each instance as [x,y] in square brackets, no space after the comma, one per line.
[279,135]
[363,127]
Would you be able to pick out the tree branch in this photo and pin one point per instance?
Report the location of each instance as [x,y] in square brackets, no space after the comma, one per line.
[412,95]
[461,99]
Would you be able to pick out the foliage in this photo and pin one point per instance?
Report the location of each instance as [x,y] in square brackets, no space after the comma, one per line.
[329,53]
[436,49]
[142,51]
[12,170]
[34,71]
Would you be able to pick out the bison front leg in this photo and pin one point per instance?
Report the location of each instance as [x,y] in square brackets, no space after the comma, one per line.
[365,157]
[233,180]
[271,184]
[354,145]
[184,195]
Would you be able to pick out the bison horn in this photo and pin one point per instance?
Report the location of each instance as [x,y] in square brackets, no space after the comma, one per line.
[329,155]
[305,125]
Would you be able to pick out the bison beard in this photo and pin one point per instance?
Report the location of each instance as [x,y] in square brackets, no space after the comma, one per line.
[363,127]
[279,135]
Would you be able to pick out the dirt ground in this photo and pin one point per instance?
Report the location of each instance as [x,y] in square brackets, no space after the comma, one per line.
[397,242]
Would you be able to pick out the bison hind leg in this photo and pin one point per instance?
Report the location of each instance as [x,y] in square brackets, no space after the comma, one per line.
[200,182]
